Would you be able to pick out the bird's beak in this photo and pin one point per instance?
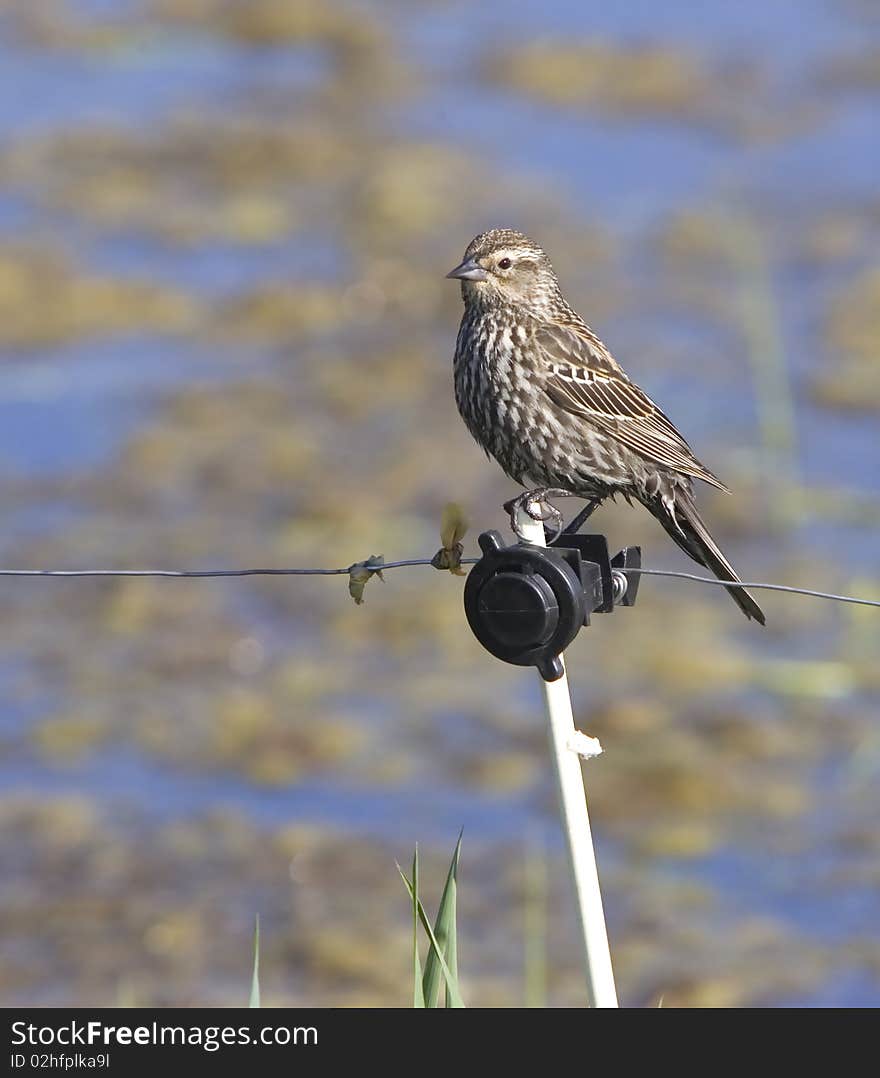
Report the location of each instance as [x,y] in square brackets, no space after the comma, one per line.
[469,270]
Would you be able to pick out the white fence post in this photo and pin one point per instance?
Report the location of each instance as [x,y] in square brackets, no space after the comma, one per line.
[601,991]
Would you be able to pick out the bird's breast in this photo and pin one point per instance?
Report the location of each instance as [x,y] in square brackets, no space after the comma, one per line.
[497,388]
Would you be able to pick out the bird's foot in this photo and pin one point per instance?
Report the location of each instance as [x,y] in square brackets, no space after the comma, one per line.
[535,505]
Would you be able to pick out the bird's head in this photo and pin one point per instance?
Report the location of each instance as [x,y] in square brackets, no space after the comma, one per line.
[505,267]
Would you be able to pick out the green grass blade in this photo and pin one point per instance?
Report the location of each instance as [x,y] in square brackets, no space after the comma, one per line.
[452,947]
[255,979]
[535,923]
[445,932]
[451,982]
[453,993]
[413,889]
[759,322]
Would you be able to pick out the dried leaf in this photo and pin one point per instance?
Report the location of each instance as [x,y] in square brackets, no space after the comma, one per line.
[453,527]
[361,572]
[449,558]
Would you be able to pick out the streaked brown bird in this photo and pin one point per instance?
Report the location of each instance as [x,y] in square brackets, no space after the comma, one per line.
[543,395]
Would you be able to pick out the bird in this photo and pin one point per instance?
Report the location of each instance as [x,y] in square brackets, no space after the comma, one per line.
[542,394]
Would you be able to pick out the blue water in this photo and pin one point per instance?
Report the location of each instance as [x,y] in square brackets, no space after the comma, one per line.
[129,782]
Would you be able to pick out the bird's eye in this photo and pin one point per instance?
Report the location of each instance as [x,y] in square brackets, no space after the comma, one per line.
[504,263]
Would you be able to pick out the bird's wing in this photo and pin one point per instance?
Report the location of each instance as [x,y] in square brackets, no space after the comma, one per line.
[583,379]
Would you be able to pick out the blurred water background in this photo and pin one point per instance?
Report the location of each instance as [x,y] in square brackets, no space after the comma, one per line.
[227,341]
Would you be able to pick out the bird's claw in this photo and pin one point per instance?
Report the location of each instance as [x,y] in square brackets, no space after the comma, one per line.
[534,503]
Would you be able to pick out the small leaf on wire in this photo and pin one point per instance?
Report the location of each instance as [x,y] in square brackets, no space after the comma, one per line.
[361,572]
[255,978]
[449,558]
[453,527]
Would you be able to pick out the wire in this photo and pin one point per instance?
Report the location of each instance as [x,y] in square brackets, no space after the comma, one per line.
[374,567]
[756,585]
[381,567]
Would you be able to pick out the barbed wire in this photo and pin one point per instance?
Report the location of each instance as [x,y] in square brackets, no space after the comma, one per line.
[369,565]
[756,584]
[373,566]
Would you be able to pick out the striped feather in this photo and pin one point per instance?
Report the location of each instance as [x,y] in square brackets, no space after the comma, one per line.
[584,380]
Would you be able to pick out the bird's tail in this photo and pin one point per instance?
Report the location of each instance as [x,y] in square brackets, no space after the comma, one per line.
[688,530]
